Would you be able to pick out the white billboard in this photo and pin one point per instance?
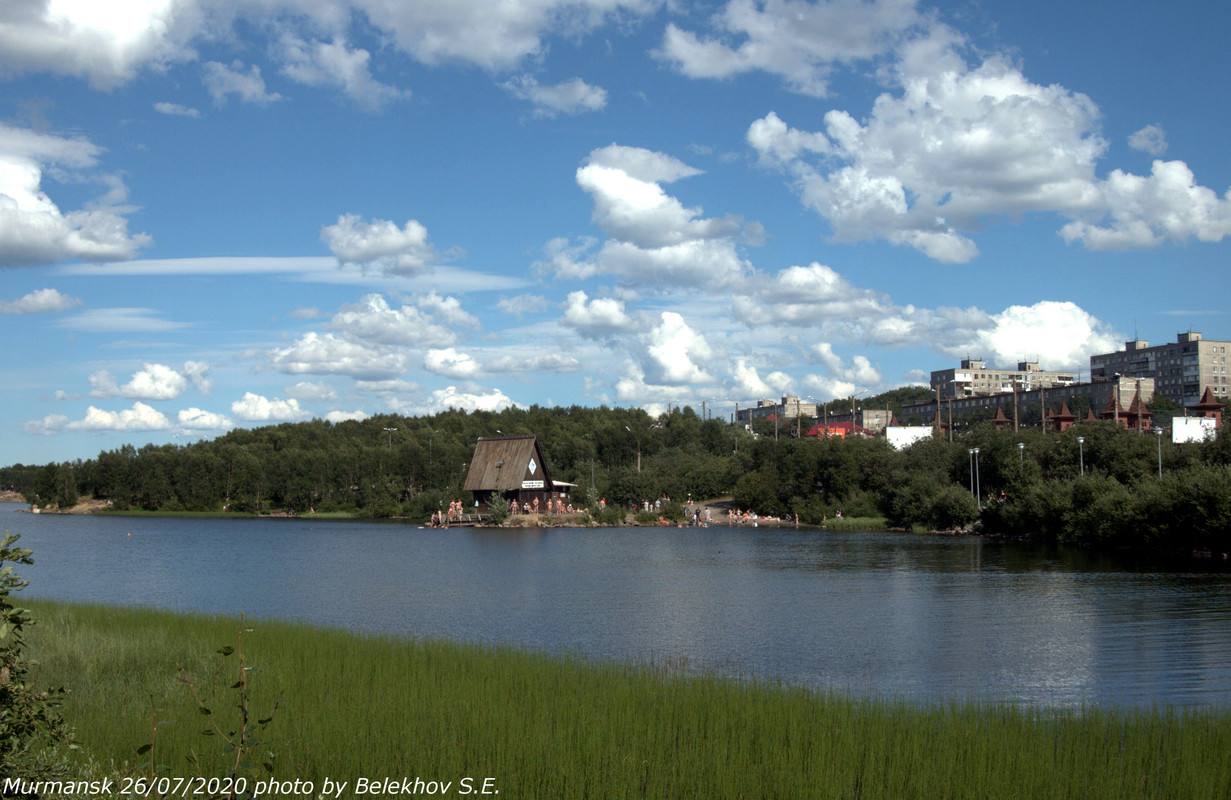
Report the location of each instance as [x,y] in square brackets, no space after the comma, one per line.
[1193,429]
[902,437]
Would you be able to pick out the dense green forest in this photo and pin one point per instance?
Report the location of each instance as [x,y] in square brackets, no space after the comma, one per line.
[1108,489]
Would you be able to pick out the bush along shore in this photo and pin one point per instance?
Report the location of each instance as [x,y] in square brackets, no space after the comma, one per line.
[343,707]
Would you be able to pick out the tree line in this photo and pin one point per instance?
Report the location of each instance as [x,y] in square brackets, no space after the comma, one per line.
[1114,487]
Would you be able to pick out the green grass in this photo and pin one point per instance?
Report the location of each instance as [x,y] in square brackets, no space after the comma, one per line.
[355,706]
[855,524]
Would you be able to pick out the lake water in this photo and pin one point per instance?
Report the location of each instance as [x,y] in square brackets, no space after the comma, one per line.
[899,615]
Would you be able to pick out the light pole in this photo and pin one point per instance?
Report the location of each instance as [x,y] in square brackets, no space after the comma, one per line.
[1159,431]
[978,485]
[1081,454]
[590,443]
[1117,392]
[1021,452]
[971,452]
[636,439]
[853,396]
[390,431]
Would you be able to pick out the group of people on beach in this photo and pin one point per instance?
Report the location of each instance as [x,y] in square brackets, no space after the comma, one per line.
[555,508]
[737,517]
[456,513]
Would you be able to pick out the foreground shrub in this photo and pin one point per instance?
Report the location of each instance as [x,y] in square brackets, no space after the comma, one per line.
[33,736]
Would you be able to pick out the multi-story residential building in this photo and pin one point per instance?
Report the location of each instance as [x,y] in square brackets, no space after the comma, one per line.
[791,408]
[1104,398]
[1181,370]
[974,379]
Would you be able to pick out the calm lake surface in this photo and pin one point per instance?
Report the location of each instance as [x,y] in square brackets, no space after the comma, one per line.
[899,615]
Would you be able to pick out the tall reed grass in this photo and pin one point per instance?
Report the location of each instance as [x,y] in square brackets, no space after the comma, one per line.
[544,726]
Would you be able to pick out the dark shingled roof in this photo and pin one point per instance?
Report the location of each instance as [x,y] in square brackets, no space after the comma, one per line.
[501,463]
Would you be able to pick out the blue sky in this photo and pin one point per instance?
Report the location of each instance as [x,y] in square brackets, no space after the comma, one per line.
[227,213]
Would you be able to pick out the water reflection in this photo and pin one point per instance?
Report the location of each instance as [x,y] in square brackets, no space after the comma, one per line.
[922,617]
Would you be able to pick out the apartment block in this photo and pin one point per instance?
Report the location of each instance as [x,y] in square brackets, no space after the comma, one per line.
[791,408]
[974,379]
[1182,370]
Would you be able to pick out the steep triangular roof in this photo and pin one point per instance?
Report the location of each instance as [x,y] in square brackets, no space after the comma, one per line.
[1207,402]
[1064,414]
[1138,408]
[1114,409]
[506,463]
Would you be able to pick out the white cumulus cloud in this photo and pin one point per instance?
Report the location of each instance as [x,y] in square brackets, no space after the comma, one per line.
[110,44]
[38,302]
[346,416]
[1151,139]
[223,81]
[196,419]
[311,392]
[748,382]
[675,354]
[653,239]
[1058,334]
[328,354]
[954,147]
[33,230]
[451,363]
[570,97]
[373,320]
[140,417]
[1142,212]
[176,110]
[153,382]
[106,43]
[597,318]
[796,40]
[453,398]
[334,63]
[256,408]
[198,373]
[380,244]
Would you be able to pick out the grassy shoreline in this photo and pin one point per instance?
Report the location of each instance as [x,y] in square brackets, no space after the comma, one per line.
[353,706]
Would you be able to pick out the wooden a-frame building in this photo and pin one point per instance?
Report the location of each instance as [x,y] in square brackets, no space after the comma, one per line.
[512,467]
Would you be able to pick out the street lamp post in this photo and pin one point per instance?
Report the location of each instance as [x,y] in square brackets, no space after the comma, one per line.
[1081,454]
[591,446]
[978,484]
[389,431]
[1159,431]
[1021,452]
[853,396]
[1117,393]
[975,487]
[636,439]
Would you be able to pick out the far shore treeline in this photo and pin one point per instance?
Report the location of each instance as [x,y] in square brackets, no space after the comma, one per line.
[1030,482]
